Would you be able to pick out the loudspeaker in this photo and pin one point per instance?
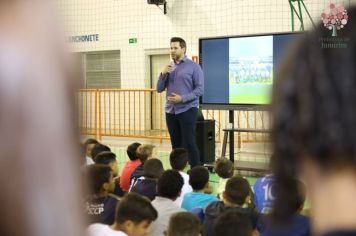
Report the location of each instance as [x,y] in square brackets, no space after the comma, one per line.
[157,2]
[205,139]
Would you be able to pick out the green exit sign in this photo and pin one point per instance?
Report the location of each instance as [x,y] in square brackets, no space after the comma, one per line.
[133,40]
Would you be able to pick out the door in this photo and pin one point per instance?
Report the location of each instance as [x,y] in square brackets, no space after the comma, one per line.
[157,62]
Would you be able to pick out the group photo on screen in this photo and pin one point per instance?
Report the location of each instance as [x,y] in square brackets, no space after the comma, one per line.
[239,70]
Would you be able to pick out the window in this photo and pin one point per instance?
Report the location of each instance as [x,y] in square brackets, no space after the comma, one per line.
[102,69]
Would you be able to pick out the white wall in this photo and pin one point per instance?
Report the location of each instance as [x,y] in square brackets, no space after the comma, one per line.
[118,20]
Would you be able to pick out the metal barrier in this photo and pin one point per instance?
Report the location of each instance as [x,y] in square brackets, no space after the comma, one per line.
[87,102]
[139,113]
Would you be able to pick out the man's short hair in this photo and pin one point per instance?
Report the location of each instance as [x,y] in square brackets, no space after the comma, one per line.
[153,168]
[224,168]
[170,184]
[96,175]
[135,208]
[98,148]
[144,151]
[178,159]
[184,224]
[237,189]
[131,151]
[181,41]
[231,223]
[198,177]
[105,158]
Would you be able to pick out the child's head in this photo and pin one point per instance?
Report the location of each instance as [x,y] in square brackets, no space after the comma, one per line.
[231,223]
[199,178]
[89,144]
[145,152]
[237,191]
[131,151]
[313,117]
[108,158]
[170,184]
[224,168]
[184,224]
[98,148]
[153,168]
[100,179]
[178,159]
[134,214]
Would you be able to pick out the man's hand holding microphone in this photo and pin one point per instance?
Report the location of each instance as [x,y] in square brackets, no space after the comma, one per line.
[174,98]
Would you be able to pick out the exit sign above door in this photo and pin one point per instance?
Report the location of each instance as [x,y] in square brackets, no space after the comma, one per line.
[132,40]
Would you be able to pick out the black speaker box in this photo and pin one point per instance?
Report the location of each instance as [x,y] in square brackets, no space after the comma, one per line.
[205,139]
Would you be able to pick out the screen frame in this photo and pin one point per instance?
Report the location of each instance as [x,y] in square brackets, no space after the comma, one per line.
[236,106]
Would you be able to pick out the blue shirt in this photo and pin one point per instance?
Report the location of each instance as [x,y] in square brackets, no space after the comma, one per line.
[187,80]
[145,187]
[264,194]
[101,210]
[196,199]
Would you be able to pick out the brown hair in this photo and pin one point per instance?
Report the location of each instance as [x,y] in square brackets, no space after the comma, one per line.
[144,151]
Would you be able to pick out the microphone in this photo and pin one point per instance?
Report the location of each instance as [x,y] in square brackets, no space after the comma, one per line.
[167,74]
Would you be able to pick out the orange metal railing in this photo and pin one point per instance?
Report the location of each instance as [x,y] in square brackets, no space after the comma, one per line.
[139,113]
[87,103]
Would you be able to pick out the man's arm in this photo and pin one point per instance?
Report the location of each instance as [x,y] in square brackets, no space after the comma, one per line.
[162,82]
[198,83]
[163,78]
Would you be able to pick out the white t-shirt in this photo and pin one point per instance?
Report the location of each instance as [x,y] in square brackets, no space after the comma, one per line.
[89,160]
[103,230]
[186,188]
[221,187]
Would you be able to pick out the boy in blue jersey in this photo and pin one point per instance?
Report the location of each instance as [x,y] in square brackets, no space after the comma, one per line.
[264,194]
[298,225]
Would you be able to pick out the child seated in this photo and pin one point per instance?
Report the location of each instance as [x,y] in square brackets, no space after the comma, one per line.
[98,148]
[200,197]
[237,193]
[133,217]
[109,158]
[264,194]
[144,153]
[89,144]
[179,161]
[130,166]
[146,185]
[231,223]
[184,224]
[169,187]
[225,170]
[298,224]
[100,202]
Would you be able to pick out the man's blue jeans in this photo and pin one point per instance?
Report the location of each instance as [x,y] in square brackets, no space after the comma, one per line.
[181,128]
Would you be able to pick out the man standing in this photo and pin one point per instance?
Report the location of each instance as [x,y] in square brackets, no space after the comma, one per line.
[184,81]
